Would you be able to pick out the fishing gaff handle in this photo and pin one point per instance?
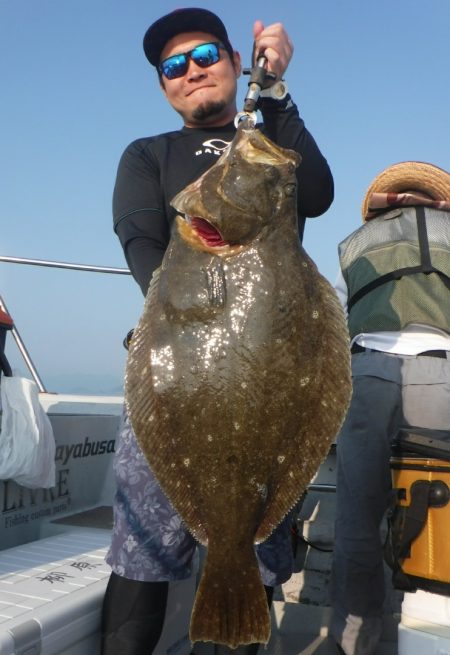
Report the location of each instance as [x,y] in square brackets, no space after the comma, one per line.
[258,79]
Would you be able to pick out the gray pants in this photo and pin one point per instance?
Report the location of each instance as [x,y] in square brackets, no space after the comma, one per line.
[388,391]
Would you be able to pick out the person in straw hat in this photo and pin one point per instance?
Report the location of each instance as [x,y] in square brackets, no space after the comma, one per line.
[395,285]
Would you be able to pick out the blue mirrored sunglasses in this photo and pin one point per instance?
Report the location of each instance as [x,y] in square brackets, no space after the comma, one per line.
[204,55]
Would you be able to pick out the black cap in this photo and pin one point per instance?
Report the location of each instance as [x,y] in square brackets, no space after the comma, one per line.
[182,20]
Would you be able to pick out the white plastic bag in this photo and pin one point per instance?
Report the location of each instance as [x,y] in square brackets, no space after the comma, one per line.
[27,444]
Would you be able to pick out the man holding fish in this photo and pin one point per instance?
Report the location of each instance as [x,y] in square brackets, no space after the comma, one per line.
[198,71]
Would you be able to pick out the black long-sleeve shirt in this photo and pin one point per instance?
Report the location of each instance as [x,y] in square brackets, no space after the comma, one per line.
[153,170]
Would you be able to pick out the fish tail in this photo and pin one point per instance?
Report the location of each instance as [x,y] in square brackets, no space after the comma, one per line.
[231,604]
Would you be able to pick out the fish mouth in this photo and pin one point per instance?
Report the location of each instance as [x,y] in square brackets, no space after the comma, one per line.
[201,234]
[206,231]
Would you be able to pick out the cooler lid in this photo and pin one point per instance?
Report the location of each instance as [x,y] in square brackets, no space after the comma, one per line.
[422,441]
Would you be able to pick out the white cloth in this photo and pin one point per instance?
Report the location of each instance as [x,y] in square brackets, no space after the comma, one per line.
[27,444]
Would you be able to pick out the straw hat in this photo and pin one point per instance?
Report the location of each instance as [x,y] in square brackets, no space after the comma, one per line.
[409,176]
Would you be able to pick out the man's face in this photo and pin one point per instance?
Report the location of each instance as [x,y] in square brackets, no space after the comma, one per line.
[202,96]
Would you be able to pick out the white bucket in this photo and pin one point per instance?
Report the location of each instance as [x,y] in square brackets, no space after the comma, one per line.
[416,642]
[423,607]
[425,624]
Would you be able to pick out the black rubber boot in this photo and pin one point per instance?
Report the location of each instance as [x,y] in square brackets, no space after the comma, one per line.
[250,649]
[132,616]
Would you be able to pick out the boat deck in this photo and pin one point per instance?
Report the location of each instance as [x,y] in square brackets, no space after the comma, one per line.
[58,580]
[40,593]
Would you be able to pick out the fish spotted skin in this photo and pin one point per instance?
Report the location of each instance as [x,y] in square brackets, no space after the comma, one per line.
[238,376]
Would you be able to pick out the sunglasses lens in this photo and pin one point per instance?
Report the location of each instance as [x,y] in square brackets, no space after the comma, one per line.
[205,54]
[175,66]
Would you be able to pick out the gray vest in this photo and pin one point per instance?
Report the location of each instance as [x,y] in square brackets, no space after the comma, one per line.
[397,271]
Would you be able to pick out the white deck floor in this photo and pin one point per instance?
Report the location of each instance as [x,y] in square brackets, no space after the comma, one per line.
[300,611]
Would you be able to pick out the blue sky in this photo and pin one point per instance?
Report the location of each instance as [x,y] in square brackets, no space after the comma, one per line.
[371,80]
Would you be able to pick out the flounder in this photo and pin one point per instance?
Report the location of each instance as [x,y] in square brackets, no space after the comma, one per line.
[238,375]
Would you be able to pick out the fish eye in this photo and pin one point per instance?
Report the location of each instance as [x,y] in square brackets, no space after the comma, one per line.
[270,173]
[289,189]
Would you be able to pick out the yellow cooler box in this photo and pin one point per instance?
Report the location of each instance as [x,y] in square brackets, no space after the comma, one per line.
[418,544]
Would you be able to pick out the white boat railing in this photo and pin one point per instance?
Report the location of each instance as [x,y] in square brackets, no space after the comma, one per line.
[76,267]
[49,264]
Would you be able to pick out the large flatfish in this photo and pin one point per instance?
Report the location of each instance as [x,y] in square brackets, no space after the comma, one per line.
[238,374]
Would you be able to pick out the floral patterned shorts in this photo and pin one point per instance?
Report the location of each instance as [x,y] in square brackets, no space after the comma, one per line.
[149,540]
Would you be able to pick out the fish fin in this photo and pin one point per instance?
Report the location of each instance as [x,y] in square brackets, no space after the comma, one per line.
[323,413]
[150,422]
[231,604]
